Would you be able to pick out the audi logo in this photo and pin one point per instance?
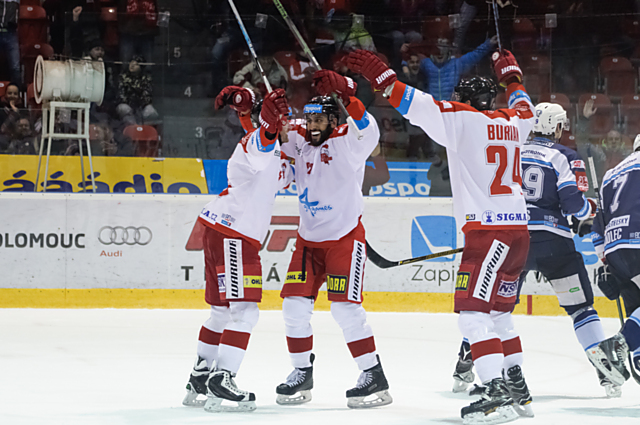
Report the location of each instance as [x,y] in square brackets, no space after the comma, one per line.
[119,235]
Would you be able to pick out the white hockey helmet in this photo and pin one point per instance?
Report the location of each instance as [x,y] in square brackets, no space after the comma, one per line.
[548,116]
[636,143]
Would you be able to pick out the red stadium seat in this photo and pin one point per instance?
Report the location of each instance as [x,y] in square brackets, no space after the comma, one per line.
[536,70]
[145,138]
[29,56]
[32,26]
[525,35]
[604,118]
[435,27]
[630,114]
[109,15]
[3,87]
[619,76]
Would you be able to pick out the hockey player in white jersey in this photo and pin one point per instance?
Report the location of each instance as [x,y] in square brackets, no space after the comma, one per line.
[330,245]
[617,241]
[483,148]
[553,181]
[236,222]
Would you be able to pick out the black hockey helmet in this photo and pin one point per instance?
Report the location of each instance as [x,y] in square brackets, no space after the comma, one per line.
[323,105]
[480,91]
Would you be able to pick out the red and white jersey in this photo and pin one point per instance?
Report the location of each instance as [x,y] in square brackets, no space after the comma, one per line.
[256,171]
[483,148]
[329,177]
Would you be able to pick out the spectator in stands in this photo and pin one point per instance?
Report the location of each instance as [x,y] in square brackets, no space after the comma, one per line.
[438,174]
[84,35]
[138,27]
[442,71]
[249,77]
[411,74]
[376,172]
[10,105]
[134,94]
[21,141]
[9,45]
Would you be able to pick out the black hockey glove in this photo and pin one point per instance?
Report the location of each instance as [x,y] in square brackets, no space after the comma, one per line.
[608,283]
[581,228]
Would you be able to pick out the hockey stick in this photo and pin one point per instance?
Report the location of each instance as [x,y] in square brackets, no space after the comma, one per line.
[307,51]
[250,44]
[383,263]
[495,18]
[594,178]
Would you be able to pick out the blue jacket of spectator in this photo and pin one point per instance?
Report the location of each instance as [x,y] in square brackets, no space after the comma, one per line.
[441,79]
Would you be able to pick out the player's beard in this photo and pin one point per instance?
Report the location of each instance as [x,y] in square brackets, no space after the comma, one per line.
[324,135]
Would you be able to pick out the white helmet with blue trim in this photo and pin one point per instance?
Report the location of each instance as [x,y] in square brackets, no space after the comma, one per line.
[548,116]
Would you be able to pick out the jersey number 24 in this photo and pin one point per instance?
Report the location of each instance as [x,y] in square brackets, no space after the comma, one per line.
[498,154]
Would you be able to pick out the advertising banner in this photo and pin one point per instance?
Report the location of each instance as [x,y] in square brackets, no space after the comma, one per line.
[112,174]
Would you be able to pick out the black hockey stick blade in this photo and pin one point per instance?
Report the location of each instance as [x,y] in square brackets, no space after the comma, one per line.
[383,263]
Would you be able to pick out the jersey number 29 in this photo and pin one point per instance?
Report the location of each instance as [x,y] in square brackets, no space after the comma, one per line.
[498,154]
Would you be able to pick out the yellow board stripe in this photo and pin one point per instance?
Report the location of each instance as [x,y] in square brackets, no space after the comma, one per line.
[541,305]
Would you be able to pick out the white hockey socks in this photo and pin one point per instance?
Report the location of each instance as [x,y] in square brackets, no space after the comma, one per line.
[486,347]
[297,313]
[352,319]
[210,334]
[235,338]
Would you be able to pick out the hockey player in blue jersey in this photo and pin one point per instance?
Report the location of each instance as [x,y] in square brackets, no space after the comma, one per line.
[617,241]
[553,182]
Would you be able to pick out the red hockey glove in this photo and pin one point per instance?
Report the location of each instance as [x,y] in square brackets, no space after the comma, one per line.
[594,207]
[274,109]
[327,82]
[506,67]
[238,98]
[372,68]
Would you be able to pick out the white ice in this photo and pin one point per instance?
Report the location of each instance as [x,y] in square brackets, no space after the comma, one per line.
[131,366]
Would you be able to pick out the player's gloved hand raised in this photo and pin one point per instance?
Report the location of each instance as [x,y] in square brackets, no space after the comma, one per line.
[327,82]
[371,67]
[506,67]
[238,98]
[581,227]
[274,111]
[608,283]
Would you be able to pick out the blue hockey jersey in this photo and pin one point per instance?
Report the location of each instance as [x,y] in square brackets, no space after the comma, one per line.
[553,179]
[621,208]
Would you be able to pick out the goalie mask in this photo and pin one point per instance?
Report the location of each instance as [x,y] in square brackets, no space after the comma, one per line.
[479,91]
[320,105]
[548,117]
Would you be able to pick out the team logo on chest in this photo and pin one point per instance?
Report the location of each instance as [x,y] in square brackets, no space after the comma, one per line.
[324,154]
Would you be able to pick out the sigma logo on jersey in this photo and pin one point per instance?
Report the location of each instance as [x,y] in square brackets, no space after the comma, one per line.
[462,281]
[503,132]
[336,284]
[490,266]
[508,289]
[431,234]
[234,282]
[489,217]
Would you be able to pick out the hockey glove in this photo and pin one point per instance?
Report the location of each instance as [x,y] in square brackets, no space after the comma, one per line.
[581,227]
[274,111]
[327,82]
[371,67]
[608,283]
[238,98]
[506,67]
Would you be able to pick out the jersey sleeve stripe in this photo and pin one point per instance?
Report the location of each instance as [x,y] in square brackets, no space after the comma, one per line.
[621,172]
[356,109]
[259,142]
[539,162]
[397,94]
[565,184]
[406,100]
[584,211]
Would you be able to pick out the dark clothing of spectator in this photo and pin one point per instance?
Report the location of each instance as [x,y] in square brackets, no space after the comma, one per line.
[8,116]
[376,174]
[9,45]
[137,26]
[134,94]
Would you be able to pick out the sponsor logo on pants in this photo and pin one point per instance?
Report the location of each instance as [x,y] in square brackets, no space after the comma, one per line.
[356,279]
[233,268]
[490,266]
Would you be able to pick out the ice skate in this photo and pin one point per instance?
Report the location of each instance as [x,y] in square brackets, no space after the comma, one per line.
[610,389]
[223,388]
[371,389]
[297,388]
[609,357]
[494,407]
[197,385]
[463,375]
[519,392]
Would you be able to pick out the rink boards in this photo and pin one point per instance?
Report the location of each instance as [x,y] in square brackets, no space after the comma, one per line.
[70,250]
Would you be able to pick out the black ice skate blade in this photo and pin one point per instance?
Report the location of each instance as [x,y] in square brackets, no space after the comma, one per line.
[300,397]
[215,405]
[381,398]
[498,416]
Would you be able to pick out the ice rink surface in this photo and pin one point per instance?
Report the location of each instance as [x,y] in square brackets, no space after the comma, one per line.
[131,366]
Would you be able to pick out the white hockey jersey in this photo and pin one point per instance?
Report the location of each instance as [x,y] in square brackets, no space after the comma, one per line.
[483,150]
[329,177]
[256,171]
